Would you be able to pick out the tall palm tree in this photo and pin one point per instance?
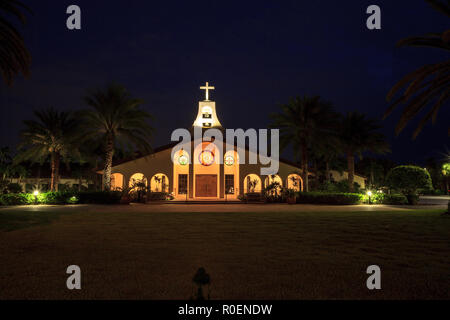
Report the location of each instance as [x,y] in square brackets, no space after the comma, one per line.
[54,135]
[359,134]
[14,56]
[303,122]
[115,118]
[428,85]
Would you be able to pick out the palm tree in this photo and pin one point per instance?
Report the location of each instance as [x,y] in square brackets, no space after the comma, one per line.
[14,57]
[54,135]
[303,122]
[428,85]
[115,118]
[359,134]
[327,151]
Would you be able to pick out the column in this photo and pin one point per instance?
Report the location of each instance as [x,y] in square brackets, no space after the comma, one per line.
[191,173]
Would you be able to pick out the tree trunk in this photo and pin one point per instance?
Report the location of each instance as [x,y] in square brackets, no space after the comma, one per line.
[372,176]
[351,170]
[55,171]
[108,163]
[305,166]
[327,171]
[316,175]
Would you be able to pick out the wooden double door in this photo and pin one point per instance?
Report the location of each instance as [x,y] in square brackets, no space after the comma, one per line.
[206,185]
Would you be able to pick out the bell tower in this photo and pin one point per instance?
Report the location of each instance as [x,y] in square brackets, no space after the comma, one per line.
[207,117]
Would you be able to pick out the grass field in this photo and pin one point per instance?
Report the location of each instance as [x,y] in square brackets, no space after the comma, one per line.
[124,254]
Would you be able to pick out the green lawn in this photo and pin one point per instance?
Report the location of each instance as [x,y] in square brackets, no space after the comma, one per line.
[15,220]
[264,255]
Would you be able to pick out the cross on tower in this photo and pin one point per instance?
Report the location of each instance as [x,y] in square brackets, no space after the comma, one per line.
[207,88]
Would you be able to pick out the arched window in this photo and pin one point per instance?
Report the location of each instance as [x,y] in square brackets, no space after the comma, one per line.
[295,182]
[159,183]
[252,183]
[138,181]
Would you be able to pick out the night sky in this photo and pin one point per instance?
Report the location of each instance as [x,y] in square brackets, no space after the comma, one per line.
[256,53]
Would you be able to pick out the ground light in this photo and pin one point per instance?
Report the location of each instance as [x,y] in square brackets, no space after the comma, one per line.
[73,200]
[369,193]
[36,193]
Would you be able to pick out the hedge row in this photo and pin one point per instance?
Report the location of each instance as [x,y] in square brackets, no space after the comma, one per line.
[329,198]
[338,198]
[382,198]
[60,198]
[113,197]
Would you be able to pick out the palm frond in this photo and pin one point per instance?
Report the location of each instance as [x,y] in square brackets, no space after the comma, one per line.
[14,57]
[441,6]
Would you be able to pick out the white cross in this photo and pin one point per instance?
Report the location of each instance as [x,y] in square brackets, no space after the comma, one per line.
[207,88]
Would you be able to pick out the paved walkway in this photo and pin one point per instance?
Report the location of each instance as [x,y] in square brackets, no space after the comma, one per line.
[426,203]
[223,208]
[435,200]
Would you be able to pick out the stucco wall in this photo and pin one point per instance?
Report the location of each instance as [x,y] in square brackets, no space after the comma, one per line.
[337,176]
[149,166]
[161,163]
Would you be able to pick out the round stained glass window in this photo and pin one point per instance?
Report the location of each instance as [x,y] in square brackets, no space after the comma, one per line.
[206,158]
[229,160]
[183,160]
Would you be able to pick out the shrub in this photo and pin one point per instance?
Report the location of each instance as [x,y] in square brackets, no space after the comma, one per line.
[16,199]
[273,198]
[58,198]
[375,198]
[73,200]
[329,198]
[61,198]
[251,197]
[395,199]
[383,198]
[408,180]
[158,196]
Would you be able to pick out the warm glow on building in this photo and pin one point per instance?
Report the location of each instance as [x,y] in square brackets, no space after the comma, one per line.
[203,170]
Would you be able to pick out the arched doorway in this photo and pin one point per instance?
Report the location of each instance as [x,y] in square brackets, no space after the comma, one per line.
[117,181]
[273,184]
[181,162]
[138,187]
[137,181]
[207,158]
[231,171]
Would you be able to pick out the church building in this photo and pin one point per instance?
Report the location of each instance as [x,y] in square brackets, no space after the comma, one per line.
[213,173]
